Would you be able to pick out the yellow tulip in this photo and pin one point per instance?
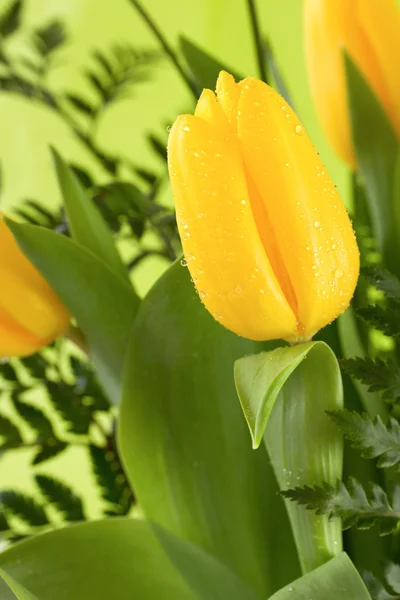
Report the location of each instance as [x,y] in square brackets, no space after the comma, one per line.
[369,31]
[265,235]
[31,315]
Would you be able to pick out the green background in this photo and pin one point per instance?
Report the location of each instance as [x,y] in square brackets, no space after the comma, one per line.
[26,129]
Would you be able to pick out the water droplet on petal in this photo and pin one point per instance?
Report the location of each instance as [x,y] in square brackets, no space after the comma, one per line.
[186,128]
[338,273]
[299,130]
[243,202]
[183,262]
[316,224]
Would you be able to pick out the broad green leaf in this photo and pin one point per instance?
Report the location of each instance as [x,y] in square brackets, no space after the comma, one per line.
[102,302]
[376,148]
[338,578]
[87,225]
[284,395]
[20,592]
[259,379]
[119,558]
[184,442]
[205,67]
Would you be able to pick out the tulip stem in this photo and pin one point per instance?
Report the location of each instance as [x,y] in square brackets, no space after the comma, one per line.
[258,41]
[169,51]
[77,336]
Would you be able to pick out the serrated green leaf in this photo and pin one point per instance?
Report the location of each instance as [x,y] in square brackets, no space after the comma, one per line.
[351,503]
[63,498]
[388,283]
[377,374]
[103,304]
[70,407]
[386,320]
[87,225]
[9,433]
[370,436]
[89,560]
[81,104]
[35,418]
[51,450]
[111,479]
[23,506]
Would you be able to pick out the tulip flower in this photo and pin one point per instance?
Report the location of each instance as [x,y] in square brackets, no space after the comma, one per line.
[369,31]
[265,235]
[31,315]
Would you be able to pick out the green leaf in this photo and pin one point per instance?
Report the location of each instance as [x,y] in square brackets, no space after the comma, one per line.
[179,401]
[386,282]
[11,18]
[392,573]
[87,225]
[205,67]
[23,506]
[81,104]
[273,68]
[336,578]
[376,148]
[351,503]
[21,593]
[9,432]
[376,589]
[50,450]
[111,479]
[371,436]
[352,345]
[284,396]
[35,418]
[377,374]
[63,498]
[259,379]
[103,304]
[118,558]
[386,320]
[69,405]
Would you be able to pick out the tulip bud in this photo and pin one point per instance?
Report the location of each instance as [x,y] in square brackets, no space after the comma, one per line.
[369,32]
[31,315]
[265,235]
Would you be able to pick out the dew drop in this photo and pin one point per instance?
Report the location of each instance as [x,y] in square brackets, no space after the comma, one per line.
[287,116]
[338,273]
[299,130]
[183,262]
[262,292]
[333,246]
[202,294]
[287,165]
[243,202]
[316,224]
[186,128]
[284,108]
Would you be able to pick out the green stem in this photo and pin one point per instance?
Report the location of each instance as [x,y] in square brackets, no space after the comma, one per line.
[306,449]
[258,42]
[186,76]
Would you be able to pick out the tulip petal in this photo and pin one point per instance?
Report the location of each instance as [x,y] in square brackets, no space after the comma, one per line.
[380,26]
[29,309]
[314,234]
[323,42]
[222,246]
[228,93]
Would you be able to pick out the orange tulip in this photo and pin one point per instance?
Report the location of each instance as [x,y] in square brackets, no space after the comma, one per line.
[265,235]
[31,315]
[369,31]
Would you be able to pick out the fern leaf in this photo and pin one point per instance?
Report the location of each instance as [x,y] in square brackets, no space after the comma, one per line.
[70,407]
[112,481]
[63,498]
[50,450]
[352,504]
[386,320]
[35,418]
[9,432]
[378,375]
[371,436]
[386,282]
[23,506]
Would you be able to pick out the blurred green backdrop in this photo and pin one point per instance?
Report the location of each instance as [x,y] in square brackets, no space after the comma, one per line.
[26,129]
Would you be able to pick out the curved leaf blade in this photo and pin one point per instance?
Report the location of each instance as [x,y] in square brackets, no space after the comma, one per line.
[184,442]
[103,304]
